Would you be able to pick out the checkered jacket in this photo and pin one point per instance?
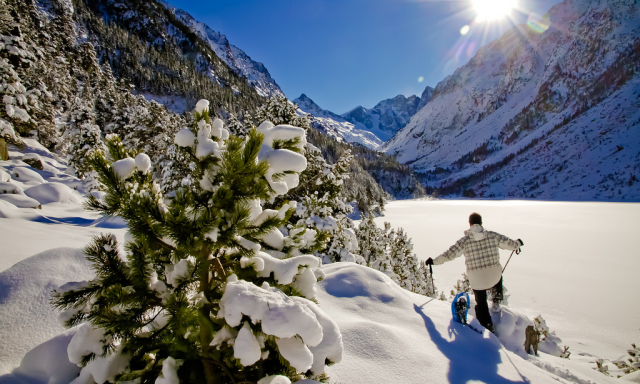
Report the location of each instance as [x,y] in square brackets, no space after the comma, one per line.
[480,248]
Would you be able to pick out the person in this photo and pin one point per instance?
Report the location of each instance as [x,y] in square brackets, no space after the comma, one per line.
[482,258]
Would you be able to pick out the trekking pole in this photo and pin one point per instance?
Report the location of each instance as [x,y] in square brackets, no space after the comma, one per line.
[517,251]
[433,286]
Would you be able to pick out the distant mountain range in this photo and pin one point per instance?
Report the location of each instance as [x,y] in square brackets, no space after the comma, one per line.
[550,115]
[369,127]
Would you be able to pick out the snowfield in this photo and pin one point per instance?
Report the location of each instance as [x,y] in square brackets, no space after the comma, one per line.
[578,270]
[578,267]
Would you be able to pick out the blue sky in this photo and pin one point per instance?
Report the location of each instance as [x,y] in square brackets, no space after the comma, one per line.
[345,53]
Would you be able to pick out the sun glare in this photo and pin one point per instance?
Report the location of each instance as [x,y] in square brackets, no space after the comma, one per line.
[489,10]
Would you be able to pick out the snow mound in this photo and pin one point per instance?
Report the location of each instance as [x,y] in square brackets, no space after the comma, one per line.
[8,210]
[392,335]
[9,188]
[45,364]
[633,377]
[4,176]
[20,201]
[26,317]
[25,174]
[53,193]
[510,327]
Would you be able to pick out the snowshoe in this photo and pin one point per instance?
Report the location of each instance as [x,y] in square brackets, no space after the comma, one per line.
[460,307]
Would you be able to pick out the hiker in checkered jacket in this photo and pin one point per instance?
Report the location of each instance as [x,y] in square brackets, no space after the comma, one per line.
[482,257]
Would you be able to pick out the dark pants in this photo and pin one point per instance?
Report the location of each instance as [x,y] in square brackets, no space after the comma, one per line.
[482,309]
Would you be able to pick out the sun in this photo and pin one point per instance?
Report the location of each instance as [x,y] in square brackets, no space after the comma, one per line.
[489,10]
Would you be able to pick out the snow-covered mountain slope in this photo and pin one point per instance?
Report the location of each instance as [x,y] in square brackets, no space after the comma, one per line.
[390,115]
[532,107]
[256,73]
[336,126]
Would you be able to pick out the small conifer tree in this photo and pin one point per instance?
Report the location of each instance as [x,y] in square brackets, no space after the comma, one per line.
[201,296]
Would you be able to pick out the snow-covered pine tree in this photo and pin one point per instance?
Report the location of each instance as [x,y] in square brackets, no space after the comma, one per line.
[405,263]
[370,240]
[196,300]
[390,251]
[321,206]
[235,127]
[428,289]
[279,110]
[83,137]
[14,117]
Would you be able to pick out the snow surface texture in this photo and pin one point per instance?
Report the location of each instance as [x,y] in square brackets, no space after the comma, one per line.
[514,97]
[387,332]
[26,318]
[392,335]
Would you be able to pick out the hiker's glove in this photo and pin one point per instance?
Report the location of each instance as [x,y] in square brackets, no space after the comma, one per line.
[520,241]
[429,261]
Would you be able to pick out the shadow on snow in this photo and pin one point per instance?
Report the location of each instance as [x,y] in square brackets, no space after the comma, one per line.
[471,357]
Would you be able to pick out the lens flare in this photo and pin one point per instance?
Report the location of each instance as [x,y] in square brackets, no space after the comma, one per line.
[538,23]
[489,10]
[420,79]
[464,30]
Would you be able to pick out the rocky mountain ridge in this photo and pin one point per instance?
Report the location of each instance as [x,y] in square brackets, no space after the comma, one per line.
[256,73]
[369,127]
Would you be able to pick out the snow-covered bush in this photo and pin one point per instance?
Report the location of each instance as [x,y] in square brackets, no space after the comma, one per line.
[549,342]
[602,367]
[632,362]
[205,292]
[462,285]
